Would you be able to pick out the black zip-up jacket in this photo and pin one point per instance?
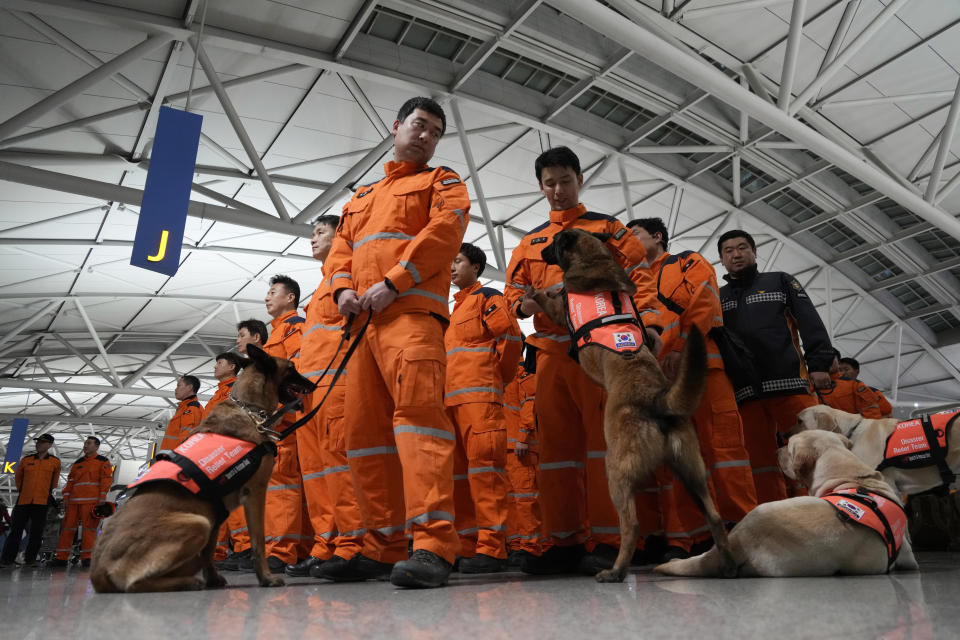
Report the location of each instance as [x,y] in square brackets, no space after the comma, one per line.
[767,310]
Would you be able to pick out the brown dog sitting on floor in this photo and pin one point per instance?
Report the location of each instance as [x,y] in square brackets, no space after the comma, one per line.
[646,419]
[164,535]
[809,536]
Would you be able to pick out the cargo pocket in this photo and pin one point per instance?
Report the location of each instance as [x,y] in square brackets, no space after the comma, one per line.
[726,423]
[420,377]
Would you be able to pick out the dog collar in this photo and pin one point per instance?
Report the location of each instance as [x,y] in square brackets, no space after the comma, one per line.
[256,414]
[850,433]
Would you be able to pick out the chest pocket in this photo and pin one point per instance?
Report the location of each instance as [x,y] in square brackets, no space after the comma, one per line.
[470,330]
[412,205]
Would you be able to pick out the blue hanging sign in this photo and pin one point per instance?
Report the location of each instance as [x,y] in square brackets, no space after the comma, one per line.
[18,434]
[166,197]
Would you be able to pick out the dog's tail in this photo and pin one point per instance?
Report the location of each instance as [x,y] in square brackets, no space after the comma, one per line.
[708,564]
[683,397]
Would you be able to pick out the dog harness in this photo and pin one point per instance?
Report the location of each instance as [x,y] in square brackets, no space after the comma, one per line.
[872,510]
[921,442]
[209,465]
[605,318]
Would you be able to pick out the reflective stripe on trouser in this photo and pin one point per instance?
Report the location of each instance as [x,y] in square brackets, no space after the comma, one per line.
[310,445]
[573,486]
[763,419]
[78,514]
[729,478]
[237,525]
[346,517]
[282,517]
[399,441]
[481,459]
[524,522]
[223,537]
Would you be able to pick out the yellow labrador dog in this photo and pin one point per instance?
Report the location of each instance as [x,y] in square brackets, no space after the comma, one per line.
[646,419]
[869,437]
[165,535]
[806,536]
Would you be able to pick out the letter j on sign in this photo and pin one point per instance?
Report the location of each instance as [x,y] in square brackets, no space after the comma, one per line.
[166,197]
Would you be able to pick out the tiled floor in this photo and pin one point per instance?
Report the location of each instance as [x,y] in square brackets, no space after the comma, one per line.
[49,605]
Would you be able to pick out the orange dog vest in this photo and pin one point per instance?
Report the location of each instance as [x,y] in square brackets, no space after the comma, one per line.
[604,318]
[210,465]
[921,442]
[872,510]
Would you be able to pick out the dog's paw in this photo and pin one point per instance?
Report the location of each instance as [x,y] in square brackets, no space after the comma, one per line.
[611,575]
[215,580]
[272,581]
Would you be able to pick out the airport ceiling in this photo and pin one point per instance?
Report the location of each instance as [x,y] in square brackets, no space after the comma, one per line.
[824,127]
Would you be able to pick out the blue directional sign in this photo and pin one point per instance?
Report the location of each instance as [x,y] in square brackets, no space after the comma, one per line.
[15,446]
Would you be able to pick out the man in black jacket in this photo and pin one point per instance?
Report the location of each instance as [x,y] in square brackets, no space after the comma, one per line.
[771,312]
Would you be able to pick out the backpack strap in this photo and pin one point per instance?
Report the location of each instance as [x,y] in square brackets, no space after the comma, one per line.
[667,302]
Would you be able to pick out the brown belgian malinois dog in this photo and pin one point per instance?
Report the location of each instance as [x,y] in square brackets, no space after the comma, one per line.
[646,419]
[164,535]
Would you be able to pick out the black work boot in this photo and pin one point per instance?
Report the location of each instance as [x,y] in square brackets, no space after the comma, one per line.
[303,568]
[555,560]
[233,560]
[482,563]
[423,569]
[356,569]
[275,564]
[602,557]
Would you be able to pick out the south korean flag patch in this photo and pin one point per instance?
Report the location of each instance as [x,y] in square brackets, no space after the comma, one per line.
[624,340]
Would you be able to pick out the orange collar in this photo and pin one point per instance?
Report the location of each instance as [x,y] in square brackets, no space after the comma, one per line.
[463,293]
[223,384]
[567,216]
[186,401]
[658,263]
[400,169]
[276,322]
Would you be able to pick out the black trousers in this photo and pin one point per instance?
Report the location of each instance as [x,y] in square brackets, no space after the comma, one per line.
[36,515]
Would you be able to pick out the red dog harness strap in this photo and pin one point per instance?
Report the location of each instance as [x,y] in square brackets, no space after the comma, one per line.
[921,442]
[210,465]
[872,510]
[605,318]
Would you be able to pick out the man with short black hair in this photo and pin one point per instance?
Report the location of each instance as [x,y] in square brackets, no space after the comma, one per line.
[849,394]
[87,486]
[850,368]
[483,346]
[189,413]
[392,255]
[36,476]
[771,313]
[573,488]
[251,331]
[687,298]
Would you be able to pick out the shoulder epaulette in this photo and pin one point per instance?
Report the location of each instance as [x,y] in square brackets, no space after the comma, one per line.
[195,403]
[592,215]
[538,229]
[103,458]
[364,186]
[445,168]
[294,320]
[486,292]
[230,384]
[80,459]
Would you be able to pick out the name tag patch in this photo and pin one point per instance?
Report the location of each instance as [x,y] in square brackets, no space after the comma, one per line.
[538,240]
[619,234]
[450,181]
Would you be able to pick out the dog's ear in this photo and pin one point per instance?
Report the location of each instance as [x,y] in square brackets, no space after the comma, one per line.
[602,237]
[826,422]
[802,460]
[242,363]
[264,362]
[549,253]
[847,442]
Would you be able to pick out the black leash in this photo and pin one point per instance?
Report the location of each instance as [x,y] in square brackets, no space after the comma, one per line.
[278,414]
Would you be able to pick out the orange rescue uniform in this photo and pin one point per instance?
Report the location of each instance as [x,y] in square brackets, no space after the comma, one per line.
[223,536]
[851,396]
[283,514]
[327,486]
[483,346]
[189,413]
[687,297]
[407,228]
[87,485]
[36,478]
[886,409]
[524,522]
[573,486]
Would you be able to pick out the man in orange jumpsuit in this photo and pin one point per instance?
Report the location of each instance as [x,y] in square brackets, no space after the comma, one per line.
[524,522]
[848,394]
[253,332]
[189,413]
[687,297]
[225,369]
[284,509]
[771,312]
[483,346]
[87,485]
[850,368]
[331,501]
[36,476]
[392,256]
[569,405]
